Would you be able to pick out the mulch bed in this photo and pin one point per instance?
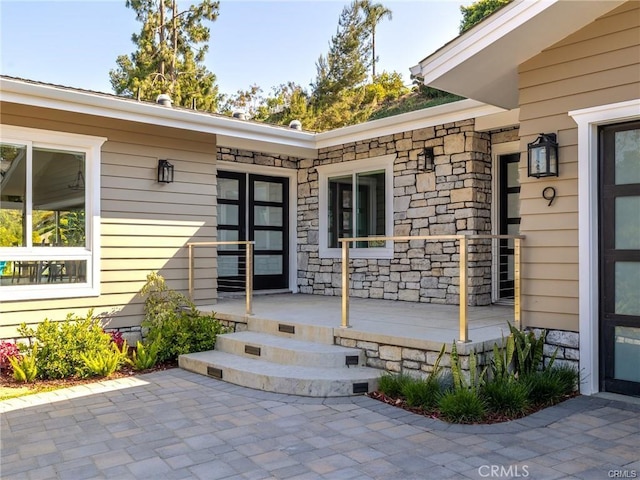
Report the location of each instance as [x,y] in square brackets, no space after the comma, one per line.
[490,418]
[7,381]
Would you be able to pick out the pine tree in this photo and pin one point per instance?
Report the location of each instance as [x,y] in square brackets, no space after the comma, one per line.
[171,47]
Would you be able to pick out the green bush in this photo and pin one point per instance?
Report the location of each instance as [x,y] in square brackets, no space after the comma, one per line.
[545,387]
[174,323]
[392,384]
[24,366]
[62,344]
[144,357]
[422,393]
[106,363]
[507,397]
[462,406]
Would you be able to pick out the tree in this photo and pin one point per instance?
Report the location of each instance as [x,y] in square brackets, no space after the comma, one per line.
[373,15]
[477,11]
[171,47]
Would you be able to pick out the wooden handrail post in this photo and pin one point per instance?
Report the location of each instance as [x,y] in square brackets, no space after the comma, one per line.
[516,283]
[464,326]
[345,285]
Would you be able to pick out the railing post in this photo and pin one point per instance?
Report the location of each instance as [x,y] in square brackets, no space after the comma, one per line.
[191,272]
[249,279]
[516,283]
[464,327]
[345,285]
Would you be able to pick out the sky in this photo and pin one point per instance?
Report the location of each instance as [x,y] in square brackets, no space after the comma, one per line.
[76,43]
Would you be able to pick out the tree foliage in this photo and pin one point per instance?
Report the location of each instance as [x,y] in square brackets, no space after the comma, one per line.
[476,12]
[373,15]
[170,51]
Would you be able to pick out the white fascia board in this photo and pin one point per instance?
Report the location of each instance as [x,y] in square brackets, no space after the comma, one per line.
[46,96]
[428,117]
[504,119]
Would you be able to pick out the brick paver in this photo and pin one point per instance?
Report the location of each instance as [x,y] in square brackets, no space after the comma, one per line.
[176,424]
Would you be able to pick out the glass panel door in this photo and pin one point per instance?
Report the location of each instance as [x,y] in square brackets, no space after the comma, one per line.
[231,227]
[509,222]
[620,258]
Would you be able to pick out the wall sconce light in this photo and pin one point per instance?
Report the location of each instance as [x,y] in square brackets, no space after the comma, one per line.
[543,156]
[426,160]
[165,171]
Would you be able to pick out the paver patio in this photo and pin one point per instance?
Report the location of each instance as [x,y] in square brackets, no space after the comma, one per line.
[175,424]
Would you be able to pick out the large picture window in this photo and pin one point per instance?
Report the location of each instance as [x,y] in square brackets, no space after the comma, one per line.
[356,200]
[48,210]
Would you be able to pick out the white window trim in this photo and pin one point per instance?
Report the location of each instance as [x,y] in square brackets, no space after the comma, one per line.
[385,163]
[588,120]
[497,149]
[90,146]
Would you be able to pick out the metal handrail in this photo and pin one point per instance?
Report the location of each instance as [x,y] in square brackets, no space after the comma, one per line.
[248,273]
[463,239]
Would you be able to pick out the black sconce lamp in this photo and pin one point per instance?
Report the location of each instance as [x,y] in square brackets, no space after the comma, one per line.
[426,160]
[165,171]
[543,156]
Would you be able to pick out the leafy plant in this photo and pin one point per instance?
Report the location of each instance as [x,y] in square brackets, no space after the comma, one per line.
[62,344]
[475,380]
[545,388]
[529,351]
[24,367]
[144,357]
[174,323]
[105,363]
[462,406]
[567,376]
[392,384]
[506,396]
[501,363]
[8,350]
[422,393]
[117,338]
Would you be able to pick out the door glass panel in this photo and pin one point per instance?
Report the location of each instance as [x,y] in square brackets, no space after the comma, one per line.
[627,353]
[228,266]
[627,282]
[267,192]
[228,236]
[13,164]
[513,205]
[268,265]
[628,223]
[268,216]
[268,240]
[228,188]
[228,214]
[627,156]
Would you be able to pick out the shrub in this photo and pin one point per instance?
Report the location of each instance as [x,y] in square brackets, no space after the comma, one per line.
[24,367]
[105,363]
[462,406]
[545,388]
[392,384]
[174,323]
[61,344]
[422,393]
[8,350]
[507,397]
[528,351]
[117,338]
[144,357]
[567,376]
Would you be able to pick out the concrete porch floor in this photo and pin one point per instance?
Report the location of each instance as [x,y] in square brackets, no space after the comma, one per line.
[408,324]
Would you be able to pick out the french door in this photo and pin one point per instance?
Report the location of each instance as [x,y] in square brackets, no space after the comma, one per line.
[253,207]
[508,222]
[619,178]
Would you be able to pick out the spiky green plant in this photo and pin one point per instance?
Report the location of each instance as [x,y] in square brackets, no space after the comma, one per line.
[475,380]
[529,351]
[144,357]
[106,363]
[24,367]
[502,362]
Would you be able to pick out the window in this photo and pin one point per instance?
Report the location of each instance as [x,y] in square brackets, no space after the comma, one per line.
[356,200]
[49,214]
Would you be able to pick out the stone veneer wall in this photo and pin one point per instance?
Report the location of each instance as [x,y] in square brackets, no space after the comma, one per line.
[256,158]
[454,199]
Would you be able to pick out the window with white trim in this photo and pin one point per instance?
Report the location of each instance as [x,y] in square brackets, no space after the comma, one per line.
[356,200]
[49,214]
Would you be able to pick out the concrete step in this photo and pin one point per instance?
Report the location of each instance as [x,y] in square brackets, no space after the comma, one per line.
[280,378]
[299,331]
[288,351]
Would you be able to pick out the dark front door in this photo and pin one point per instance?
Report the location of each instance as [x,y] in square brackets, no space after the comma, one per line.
[253,207]
[509,221]
[619,174]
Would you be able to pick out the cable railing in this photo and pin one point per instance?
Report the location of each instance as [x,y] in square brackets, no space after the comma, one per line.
[241,278]
[510,269]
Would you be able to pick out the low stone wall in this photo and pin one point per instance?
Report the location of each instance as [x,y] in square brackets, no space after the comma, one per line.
[566,343]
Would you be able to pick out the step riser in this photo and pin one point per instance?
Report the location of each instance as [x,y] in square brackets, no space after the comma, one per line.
[286,356]
[303,387]
[309,333]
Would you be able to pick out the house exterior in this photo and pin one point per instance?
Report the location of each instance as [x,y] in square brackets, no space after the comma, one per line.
[296,193]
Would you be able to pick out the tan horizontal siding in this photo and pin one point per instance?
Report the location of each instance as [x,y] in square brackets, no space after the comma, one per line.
[598,65]
[145,226]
